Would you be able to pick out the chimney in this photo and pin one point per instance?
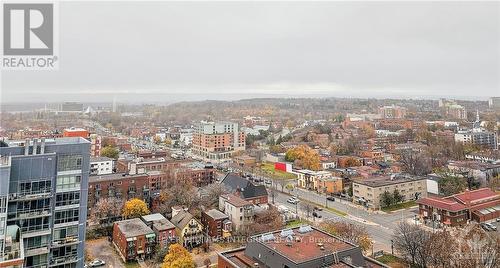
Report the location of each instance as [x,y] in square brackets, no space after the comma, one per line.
[27,147]
[42,146]
[35,145]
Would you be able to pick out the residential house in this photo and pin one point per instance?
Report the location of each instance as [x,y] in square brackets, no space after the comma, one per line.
[188,228]
[247,190]
[239,211]
[101,165]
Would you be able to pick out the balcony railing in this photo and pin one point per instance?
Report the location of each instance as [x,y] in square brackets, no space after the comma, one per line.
[30,195]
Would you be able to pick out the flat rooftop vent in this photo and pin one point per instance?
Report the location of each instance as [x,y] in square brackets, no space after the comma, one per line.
[305,229]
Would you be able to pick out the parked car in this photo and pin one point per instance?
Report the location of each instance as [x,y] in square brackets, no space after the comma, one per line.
[491,226]
[330,198]
[318,208]
[96,263]
[269,182]
[316,214]
[293,200]
[486,227]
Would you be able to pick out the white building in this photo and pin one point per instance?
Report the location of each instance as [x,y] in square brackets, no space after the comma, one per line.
[239,211]
[101,165]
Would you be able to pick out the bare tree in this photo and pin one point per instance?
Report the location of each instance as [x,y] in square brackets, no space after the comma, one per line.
[106,210]
[415,163]
[214,190]
[351,232]
[409,240]
[307,207]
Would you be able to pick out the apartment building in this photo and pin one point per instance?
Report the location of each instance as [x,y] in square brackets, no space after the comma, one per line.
[217,224]
[368,192]
[217,140]
[43,202]
[307,178]
[392,111]
[133,239]
[482,138]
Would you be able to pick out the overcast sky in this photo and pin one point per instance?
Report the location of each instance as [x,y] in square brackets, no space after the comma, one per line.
[165,51]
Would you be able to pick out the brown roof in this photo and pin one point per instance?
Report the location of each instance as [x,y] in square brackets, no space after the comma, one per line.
[237,201]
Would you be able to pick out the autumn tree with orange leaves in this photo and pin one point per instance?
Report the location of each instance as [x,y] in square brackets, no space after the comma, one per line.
[304,156]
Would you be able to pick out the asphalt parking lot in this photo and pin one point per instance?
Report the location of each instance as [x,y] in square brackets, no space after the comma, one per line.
[103,249]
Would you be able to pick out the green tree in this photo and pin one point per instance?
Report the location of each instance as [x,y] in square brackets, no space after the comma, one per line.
[397,197]
[386,199]
[110,152]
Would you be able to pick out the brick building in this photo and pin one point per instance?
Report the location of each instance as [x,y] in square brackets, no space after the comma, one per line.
[478,205]
[217,140]
[163,228]
[216,224]
[133,239]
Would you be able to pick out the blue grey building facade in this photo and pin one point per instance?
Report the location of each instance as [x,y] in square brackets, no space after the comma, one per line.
[44,184]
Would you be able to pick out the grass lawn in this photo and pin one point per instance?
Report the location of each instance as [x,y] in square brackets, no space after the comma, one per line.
[295,223]
[268,168]
[391,260]
[132,264]
[400,206]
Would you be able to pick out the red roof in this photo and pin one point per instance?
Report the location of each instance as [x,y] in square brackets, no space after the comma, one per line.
[442,203]
[476,196]
[475,199]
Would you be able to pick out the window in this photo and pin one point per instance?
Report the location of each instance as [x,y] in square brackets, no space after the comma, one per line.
[68,182]
[69,162]
[64,216]
[69,198]
[66,232]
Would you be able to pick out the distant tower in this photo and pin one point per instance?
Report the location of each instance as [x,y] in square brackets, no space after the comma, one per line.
[114,104]
[477,124]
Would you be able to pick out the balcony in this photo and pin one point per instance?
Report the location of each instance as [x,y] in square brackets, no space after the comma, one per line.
[63,260]
[66,241]
[30,195]
[36,251]
[35,213]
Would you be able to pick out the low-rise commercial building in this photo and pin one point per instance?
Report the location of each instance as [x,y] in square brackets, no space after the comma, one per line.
[478,205]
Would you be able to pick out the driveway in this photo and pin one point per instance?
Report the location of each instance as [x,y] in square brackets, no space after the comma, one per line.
[104,250]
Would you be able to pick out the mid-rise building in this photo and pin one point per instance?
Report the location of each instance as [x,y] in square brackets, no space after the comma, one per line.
[392,111]
[368,192]
[43,202]
[217,140]
[494,103]
[478,136]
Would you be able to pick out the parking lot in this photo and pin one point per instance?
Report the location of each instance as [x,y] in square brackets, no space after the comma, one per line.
[103,249]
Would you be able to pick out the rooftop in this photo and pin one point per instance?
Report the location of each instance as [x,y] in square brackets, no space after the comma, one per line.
[133,227]
[473,165]
[100,159]
[215,214]
[153,217]
[236,200]
[114,176]
[246,188]
[475,199]
[305,245]
[380,181]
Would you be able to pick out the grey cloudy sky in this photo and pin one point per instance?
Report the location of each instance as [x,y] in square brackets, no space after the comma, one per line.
[164,51]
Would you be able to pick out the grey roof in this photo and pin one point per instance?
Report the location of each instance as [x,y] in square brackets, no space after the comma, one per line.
[163,224]
[153,217]
[133,227]
[216,215]
[181,219]
[100,159]
[247,189]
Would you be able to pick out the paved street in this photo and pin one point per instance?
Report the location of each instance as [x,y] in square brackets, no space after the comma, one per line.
[379,226]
